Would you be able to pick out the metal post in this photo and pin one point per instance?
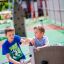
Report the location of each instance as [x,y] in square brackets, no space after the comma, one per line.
[60,13]
[54,11]
[46,7]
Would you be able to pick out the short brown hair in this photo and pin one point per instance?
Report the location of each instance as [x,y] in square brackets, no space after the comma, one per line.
[9,30]
[40,28]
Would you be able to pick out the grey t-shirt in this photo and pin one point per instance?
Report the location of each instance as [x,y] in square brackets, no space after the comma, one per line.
[43,41]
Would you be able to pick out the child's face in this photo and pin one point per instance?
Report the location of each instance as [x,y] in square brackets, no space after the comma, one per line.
[10,36]
[38,34]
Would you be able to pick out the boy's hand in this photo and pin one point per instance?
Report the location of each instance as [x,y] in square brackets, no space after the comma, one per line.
[25,41]
[38,49]
[32,41]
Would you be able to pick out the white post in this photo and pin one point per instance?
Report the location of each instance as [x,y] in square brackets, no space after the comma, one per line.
[31,48]
[36,9]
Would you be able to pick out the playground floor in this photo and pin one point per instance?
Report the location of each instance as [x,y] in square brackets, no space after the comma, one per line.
[54,32]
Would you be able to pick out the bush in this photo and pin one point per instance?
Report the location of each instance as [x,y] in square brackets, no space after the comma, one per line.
[5,5]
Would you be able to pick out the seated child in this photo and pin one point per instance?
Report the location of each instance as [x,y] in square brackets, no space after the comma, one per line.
[11,47]
[40,39]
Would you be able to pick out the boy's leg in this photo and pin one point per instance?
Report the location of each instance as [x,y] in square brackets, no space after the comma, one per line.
[24,61]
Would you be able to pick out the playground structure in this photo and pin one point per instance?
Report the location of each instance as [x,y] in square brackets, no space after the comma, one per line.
[56,11]
[50,55]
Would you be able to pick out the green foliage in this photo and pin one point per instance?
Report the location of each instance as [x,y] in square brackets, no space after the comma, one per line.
[5,5]
[0,17]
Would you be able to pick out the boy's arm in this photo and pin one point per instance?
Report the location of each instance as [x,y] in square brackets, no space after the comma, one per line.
[46,44]
[25,41]
[11,60]
[38,48]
